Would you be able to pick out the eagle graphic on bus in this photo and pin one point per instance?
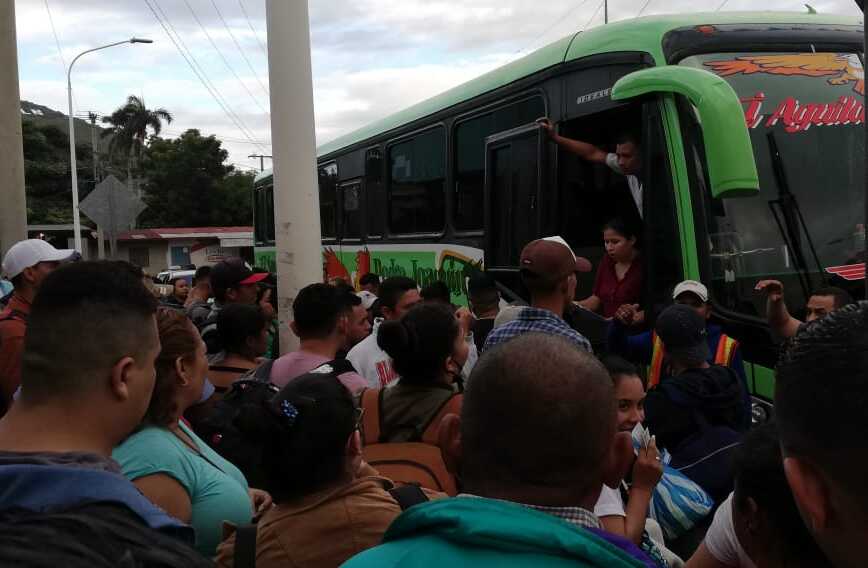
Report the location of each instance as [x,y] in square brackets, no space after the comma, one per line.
[841,68]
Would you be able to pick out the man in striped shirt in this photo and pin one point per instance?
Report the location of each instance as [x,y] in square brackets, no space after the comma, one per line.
[548,269]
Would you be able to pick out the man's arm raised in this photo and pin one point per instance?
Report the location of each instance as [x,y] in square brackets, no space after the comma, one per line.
[583,150]
[780,320]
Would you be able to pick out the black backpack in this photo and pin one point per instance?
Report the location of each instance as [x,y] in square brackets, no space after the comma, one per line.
[219,431]
[210,335]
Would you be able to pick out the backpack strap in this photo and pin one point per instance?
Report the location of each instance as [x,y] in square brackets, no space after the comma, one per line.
[405,495]
[13,315]
[263,371]
[370,403]
[658,353]
[245,546]
[341,366]
[451,406]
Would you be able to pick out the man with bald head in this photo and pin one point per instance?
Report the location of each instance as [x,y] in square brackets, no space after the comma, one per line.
[535,442]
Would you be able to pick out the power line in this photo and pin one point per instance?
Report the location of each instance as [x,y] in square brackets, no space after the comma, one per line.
[597,11]
[221,138]
[647,2]
[56,39]
[255,34]
[191,61]
[554,24]
[225,61]
[722,4]
[241,51]
[232,114]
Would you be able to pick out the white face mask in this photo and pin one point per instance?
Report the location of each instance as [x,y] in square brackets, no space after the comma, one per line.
[207,390]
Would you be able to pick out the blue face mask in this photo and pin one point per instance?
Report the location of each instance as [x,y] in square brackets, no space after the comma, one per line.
[207,390]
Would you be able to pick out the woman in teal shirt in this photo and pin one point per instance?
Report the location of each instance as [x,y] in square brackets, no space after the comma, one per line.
[172,466]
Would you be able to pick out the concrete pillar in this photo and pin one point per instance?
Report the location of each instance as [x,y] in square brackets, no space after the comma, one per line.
[13,208]
[296,197]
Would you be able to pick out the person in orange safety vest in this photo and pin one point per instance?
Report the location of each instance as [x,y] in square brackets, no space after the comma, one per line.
[647,348]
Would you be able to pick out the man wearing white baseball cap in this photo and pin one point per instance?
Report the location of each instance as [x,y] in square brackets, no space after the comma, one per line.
[26,264]
[648,349]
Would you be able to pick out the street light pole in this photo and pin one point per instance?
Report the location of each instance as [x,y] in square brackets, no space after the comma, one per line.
[76,220]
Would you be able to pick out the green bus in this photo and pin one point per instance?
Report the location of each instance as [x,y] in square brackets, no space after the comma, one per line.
[752,151]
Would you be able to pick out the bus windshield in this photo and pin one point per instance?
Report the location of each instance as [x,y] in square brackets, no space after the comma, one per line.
[804,113]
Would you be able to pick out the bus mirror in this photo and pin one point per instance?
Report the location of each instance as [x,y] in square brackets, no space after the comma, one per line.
[731,166]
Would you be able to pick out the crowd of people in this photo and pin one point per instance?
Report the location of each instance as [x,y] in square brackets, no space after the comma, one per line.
[406,430]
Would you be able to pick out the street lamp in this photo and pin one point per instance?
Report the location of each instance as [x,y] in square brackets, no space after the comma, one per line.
[76,221]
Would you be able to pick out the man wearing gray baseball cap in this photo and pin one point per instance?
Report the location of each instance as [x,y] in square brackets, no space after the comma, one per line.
[26,264]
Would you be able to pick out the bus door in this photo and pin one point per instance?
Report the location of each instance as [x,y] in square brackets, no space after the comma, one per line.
[514,179]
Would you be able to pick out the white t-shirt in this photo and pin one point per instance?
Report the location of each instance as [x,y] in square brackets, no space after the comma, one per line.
[721,540]
[375,365]
[371,362]
[632,181]
[610,503]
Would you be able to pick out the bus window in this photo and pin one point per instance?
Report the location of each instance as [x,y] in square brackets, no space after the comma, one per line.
[417,174]
[374,191]
[804,126]
[328,178]
[470,138]
[263,215]
[268,207]
[258,217]
[351,210]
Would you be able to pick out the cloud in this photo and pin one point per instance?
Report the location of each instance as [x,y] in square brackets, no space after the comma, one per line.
[370,57]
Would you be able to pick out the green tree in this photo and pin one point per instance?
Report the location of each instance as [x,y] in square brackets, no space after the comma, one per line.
[233,205]
[46,173]
[186,183]
[129,130]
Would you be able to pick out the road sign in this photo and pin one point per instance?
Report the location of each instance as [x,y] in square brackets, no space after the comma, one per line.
[112,205]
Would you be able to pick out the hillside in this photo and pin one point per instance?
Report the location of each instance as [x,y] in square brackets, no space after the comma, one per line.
[44,116]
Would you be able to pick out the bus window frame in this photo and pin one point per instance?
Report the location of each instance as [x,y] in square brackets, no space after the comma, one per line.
[494,106]
[370,205]
[336,237]
[340,188]
[260,194]
[387,148]
[655,109]
[504,139]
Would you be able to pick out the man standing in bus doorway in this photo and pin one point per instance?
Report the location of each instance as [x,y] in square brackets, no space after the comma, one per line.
[625,160]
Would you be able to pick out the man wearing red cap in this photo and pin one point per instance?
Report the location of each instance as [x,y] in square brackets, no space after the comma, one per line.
[233,283]
[548,270]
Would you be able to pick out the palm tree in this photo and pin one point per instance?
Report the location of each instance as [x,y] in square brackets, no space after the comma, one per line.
[129,130]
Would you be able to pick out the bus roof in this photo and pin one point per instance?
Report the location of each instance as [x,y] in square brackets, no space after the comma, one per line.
[643,34]
[264,174]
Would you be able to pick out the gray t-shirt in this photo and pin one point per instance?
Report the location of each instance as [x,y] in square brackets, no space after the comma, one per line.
[632,181]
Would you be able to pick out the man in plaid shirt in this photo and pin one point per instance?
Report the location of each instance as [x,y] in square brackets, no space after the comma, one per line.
[548,269]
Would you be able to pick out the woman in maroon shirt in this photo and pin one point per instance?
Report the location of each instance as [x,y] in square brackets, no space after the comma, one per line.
[619,275]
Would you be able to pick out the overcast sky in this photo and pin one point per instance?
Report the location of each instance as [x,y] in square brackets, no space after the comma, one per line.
[370,57]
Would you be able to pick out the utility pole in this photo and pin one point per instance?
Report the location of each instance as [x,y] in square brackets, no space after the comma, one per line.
[261,160]
[296,197]
[94,150]
[13,205]
[605,11]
